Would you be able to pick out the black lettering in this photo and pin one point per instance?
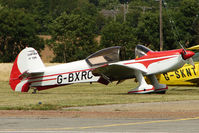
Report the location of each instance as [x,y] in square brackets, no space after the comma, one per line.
[166,76]
[34,57]
[188,72]
[77,76]
[70,77]
[194,71]
[59,79]
[182,73]
[177,74]
[90,76]
[84,73]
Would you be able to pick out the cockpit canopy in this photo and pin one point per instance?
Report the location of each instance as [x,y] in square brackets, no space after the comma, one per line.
[141,50]
[105,56]
[113,54]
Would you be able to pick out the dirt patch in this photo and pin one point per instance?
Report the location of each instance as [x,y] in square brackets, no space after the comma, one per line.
[180,109]
[173,106]
[83,114]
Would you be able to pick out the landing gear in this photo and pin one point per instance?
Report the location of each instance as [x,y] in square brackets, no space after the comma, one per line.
[143,86]
[34,91]
[159,88]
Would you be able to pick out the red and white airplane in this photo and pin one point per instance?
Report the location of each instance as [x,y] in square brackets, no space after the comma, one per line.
[104,66]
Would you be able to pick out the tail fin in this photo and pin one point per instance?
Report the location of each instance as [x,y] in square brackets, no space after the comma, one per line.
[27,62]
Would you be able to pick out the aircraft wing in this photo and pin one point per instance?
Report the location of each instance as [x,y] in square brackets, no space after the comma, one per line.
[194,47]
[194,80]
[118,71]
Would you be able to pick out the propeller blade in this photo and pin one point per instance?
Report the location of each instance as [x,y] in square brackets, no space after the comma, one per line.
[183,48]
[190,60]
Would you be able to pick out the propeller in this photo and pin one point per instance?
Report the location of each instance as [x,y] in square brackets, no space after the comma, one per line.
[187,55]
[190,60]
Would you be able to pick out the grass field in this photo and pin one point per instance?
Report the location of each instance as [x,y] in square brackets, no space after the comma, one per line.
[83,95]
[87,94]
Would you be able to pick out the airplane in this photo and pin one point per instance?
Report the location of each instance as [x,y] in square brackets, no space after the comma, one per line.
[185,76]
[104,66]
[149,63]
[28,71]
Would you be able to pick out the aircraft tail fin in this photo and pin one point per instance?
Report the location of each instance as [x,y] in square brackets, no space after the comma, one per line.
[28,62]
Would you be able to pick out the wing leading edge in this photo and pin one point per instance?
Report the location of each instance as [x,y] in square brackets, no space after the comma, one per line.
[118,71]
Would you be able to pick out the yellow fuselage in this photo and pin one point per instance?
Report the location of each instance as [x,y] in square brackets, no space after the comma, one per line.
[187,75]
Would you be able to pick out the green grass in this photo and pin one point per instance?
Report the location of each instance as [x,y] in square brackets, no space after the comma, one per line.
[87,94]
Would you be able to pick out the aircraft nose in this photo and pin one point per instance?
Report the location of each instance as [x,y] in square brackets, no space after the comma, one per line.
[187,54]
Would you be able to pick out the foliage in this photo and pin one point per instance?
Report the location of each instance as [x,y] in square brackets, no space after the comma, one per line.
[108,4]
[17,31]
[188,20]
[180,23]
[148,30]
[116,34]
[73,36]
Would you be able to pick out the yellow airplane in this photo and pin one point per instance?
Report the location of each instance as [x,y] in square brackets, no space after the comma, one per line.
[185,76]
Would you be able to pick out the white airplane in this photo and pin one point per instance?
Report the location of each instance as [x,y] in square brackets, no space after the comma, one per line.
[104,66]
[148,63]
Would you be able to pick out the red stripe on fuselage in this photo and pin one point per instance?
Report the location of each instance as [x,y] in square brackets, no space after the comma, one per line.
[159,54]
[147,62]
[42,80]
[31,78]
[152,57]
[59,74]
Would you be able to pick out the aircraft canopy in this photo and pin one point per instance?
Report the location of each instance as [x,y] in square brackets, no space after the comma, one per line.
[105,56]
[141,50]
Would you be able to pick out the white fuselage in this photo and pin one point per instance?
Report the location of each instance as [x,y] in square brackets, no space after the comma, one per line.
[166,65]
[155,65]
[69,73]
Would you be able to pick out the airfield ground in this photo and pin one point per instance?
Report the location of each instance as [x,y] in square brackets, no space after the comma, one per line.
[74,97]
[166,117]
[176,109]
[98,108]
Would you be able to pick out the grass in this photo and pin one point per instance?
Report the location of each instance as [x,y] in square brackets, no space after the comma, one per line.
[87,94]
[83,94]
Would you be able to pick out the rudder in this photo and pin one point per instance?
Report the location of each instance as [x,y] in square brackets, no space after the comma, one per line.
[27,62]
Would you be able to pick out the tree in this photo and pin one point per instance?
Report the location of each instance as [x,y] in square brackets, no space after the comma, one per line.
[188,21]
[108,4]
[95,2]
[133,18]
[17,31]
[148,30]
[124,1]
[116,34]
[73,37]
[86,9]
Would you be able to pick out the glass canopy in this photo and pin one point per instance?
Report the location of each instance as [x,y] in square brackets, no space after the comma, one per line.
[141,50]
[105,56]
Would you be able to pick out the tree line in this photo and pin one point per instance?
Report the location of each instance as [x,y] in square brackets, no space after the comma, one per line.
[75,25]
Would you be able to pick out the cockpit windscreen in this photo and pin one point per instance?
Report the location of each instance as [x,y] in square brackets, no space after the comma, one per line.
[141,50]
[105,56]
